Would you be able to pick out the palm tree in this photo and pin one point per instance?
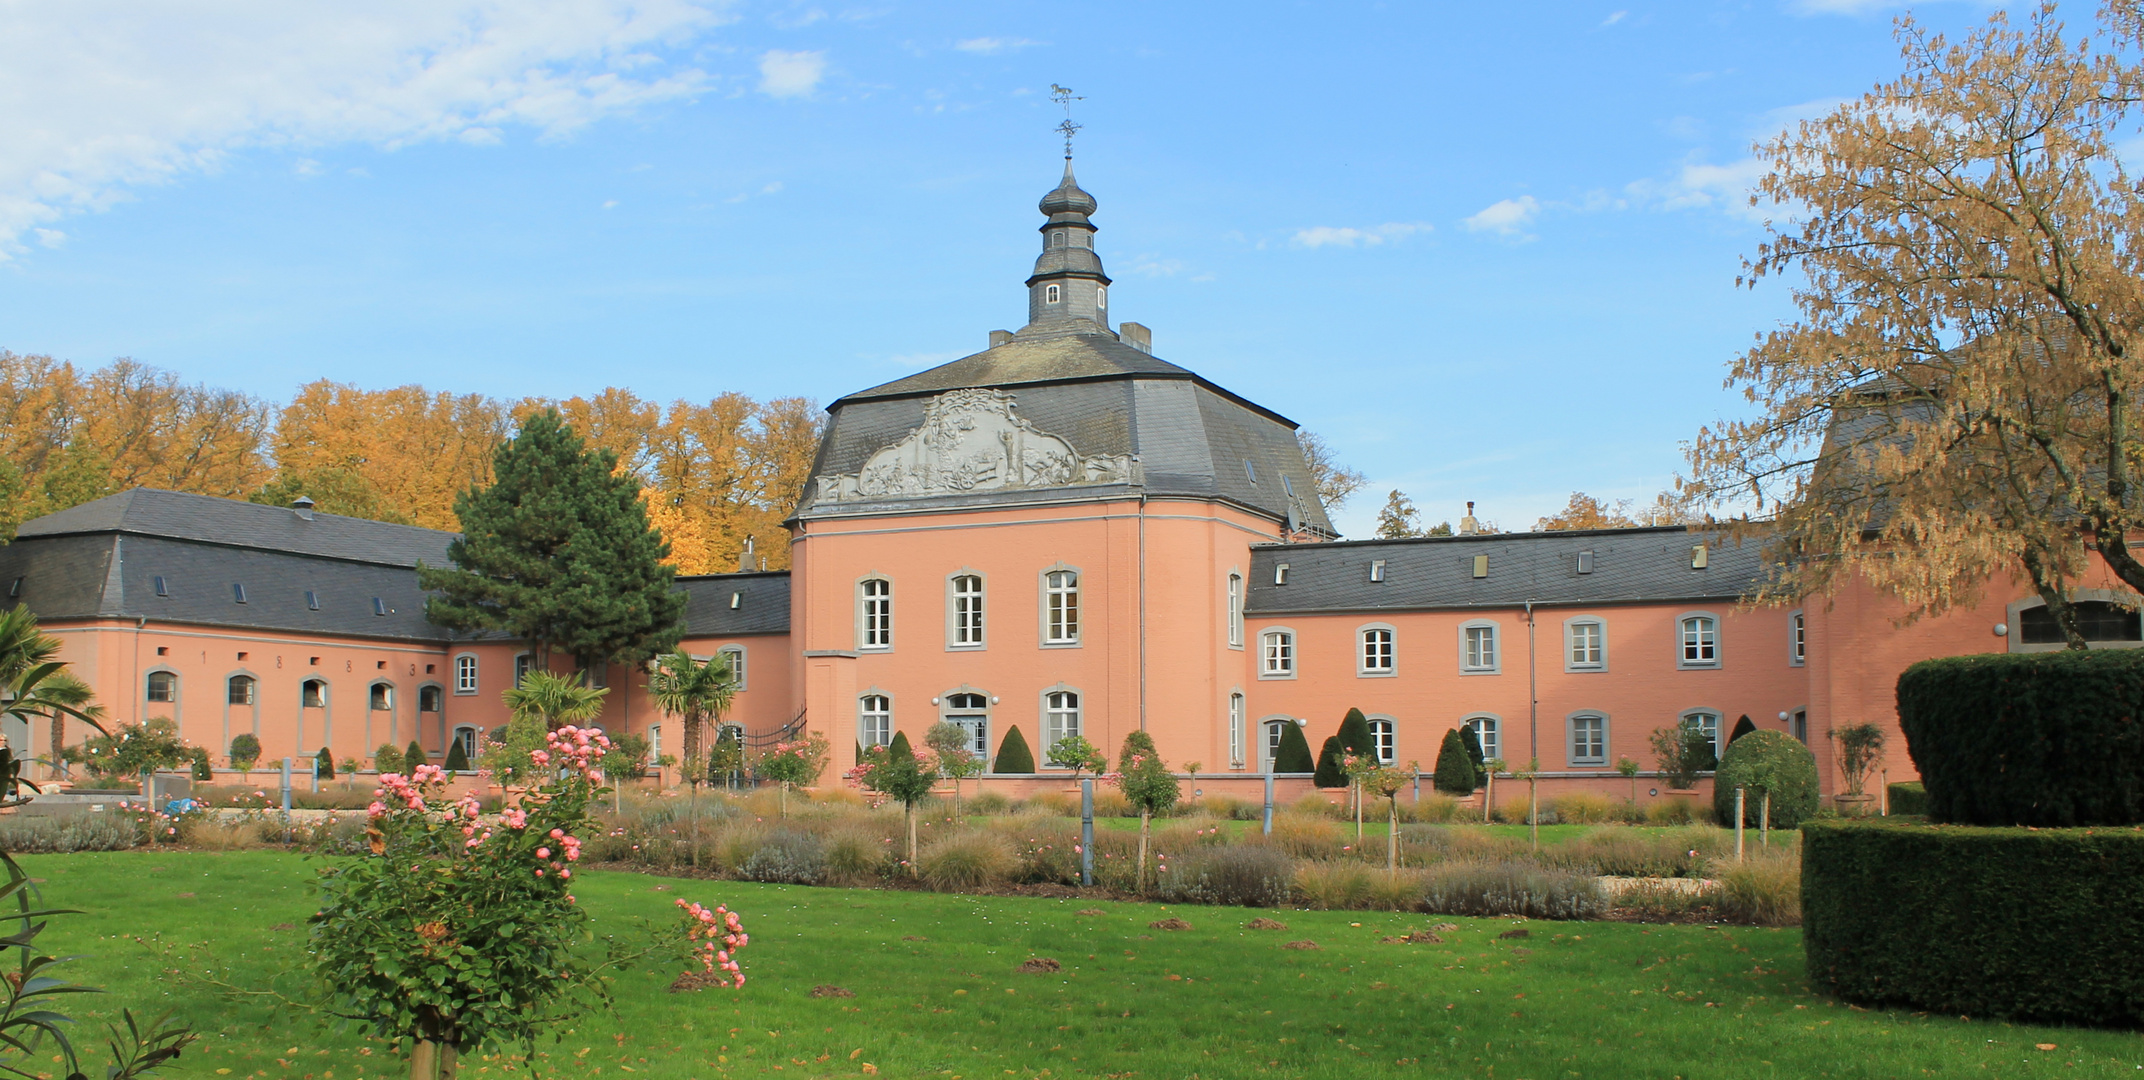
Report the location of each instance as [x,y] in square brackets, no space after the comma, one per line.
[693,690]
[555,699]
[34,684]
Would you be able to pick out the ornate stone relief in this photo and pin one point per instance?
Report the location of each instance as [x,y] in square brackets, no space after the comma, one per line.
[971,440]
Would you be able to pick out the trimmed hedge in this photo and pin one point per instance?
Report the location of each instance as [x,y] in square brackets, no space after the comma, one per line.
[1013,754]
[1329,774]
[2051,739]
[1909,797]
[2030,924]
[1755,759]
[1294,753]
[1456,774]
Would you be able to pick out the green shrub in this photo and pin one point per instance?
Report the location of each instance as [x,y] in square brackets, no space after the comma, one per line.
[1329,774]
[387,759]
[2048,739]
[1471,739]
[2034,924]
[1581,808]
[1511,888]
[1909,797]
[245,751]
[1238,875]
[64,833]
[413,755]
[786,857]
[1294,753]
[1013,754]
[1764,760]
[1456,774]
[858,854]
[1762,890]
[967,860]
[1354,734]
[204,771]
[458,759]
[323,765]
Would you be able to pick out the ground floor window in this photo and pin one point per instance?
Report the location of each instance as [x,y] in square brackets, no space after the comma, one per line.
[874,720]
[1487,730]
[1589,739]
[465,737]
[1060,717]
[970,713]
[1385,736]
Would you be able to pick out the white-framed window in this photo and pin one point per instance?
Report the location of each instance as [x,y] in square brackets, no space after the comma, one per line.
[1060,717]
[1235,610]
[1588,743]
[1276,654]
[465,674]
[430,699]
[1060,607]
[1276,730]
[240,690]
[523,662]
[1384,736]
[1707,721]
[655,743]
[163,686]
[466,737]
[380,697]
[1101,297]
[965,599]
[1585,644]
[1477,648]
[734,655]
[1377,570]
[1235,730]
[874,603]
[1700,642]
[1489,731]
[313,694]
[874,720]
[1374,654]
[1050,294]
[1797,640]
[970,712]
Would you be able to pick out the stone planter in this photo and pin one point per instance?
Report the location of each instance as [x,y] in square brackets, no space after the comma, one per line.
[1855,805]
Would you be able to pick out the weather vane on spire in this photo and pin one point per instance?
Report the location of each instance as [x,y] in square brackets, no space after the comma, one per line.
[1064,96]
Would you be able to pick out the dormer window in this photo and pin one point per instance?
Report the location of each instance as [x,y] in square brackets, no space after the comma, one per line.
[1250,470]
[238,593]
[1101,297]
[1377,570]
[1287,485]
[162,588]
[1049,294]
[1280,574]
[1057,239]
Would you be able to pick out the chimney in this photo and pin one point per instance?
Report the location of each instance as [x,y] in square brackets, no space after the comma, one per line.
[1137,336]
[744,558]
[303,507]
[999,337]
[1468,526]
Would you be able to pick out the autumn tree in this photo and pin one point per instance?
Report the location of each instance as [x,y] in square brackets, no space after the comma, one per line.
[1399,519]
[1957,399]
[1333,481]
[1586,512]
[402,454]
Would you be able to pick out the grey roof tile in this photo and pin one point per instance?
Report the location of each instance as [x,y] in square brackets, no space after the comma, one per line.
[733,605]
[151,512]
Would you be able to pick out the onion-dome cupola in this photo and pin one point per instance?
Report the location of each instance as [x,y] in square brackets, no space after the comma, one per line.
[1068,286]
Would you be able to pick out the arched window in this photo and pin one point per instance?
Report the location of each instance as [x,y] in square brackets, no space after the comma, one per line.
[1235,610]
[382,697]
[1488,730]
[240,690]
[523,663]
[1049,294]
[1707,721]
[313,694]
[430,699]
[1700,642]
[1235,731]
[734,656]
[971,714]
[874,720]
[1060,717]
[465,674]
[1275,730]
[874,599]
[1797,639]
[1384,735]
[1375,657]
[465,737]
[967,611]
[1060,607]
[1588,739]
[1276,655]
[163,686]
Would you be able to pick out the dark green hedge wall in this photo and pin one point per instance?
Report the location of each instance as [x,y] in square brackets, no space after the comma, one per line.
[1909,797]
[2026,923]
[2051,739]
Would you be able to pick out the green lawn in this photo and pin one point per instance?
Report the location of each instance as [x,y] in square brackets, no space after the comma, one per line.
[936,994]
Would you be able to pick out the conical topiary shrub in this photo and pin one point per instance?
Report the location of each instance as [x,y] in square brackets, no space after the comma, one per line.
[899,747]
[1294,753]
[387,759]
[1329,774]
[203,770]
[1456,774]
[457,758]
[324,764]
[1355,737]
[1742,727]
[1013,754]
[413,755]
[1471,739]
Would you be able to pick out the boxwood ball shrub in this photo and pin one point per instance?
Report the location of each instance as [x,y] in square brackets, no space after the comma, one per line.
[2031,924]
[1763,760]
[2047,739]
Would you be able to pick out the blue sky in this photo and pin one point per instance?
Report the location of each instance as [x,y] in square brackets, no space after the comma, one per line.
[1488,251]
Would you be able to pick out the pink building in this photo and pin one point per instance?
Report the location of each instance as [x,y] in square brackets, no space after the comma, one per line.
[1061,533]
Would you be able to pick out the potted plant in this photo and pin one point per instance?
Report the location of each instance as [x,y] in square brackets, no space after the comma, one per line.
[1860,749]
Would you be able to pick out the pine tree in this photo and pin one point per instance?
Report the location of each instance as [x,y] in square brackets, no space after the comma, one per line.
[1329,773]
[1355,737]
[1013,754]
[1742,727]
[1456,774]
[1294,753]
[324,764]
[558,551]
[457,759]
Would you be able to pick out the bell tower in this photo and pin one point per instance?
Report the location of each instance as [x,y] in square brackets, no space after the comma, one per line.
[1068,291]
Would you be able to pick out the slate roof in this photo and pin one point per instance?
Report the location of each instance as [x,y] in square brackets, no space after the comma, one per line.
[204,518]
[1041,358]
[1642,565]
[762,604]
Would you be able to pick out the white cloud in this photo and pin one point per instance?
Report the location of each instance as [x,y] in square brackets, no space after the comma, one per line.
[1701,185]
[1505,217]
[790,74]
[1156,266]
[1615,18]
[1341,236]
[101,96]
[50,238]
[608,203]
[988,45]
[771,188]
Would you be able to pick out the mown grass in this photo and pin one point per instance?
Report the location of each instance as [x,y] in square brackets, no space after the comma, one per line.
[937,996]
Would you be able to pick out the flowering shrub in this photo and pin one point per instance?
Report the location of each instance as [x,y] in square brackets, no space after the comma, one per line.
[798,762]
[459,931]
[130,750]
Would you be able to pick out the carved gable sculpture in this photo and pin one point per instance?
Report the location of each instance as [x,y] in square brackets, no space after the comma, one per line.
[971,440]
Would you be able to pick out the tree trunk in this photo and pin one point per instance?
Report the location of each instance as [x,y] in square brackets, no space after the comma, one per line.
[781,804]
[694,805]
[433,1061]
[2055,595]
[1764,819]
[910,809]
[1358,814]
[1392,838]
[1140,877]
[1488,797]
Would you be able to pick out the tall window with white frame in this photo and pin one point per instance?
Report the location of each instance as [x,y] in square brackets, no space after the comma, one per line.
[1235,610]
[1489,733]
[1384,735]
[1587,641]
[1277,655]
[874,720]
[1706,721]
[968,611]
[1700,641]
[1235,731]
[1478,648]
[522,664]
[1797,639]
[875,595]
[465,674]
[163,686]
[1377,651]
[1589,739]
[1061,607]
[971,714]
[1276,732]
[1060,717]
[734,656]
